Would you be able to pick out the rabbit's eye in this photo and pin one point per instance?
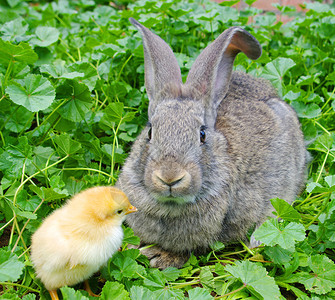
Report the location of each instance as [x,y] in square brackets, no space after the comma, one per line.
[149,133]
[202,135]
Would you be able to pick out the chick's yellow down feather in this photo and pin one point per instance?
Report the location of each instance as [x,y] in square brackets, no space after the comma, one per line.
[78,238]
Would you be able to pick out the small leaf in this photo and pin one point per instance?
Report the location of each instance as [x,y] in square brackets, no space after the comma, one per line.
[109,49]
[330,180]
[49,194]
[18,120]
[115,114]
[66,144]
[217,246]
[35,93]
[29,297]
[58,70]
[79,100]
[199,294]
[42,155]
[155,279]
[10,266]
[256,277]
[70,294]
[17,53]
[132,253]
[13,3]
[90,74]
[207,278]
[323,143]
[285,210]
[168,293]
[141,293]
[26,214]
[308,111]
[124,267]
[115,291]
[322,280]
[278,255]
[229,3]
[13,29]
[313,186]
[273,233]
[45,36]
[276,69]
[125,137]
[220,269]
[250,2]
[171,273]
[129,236]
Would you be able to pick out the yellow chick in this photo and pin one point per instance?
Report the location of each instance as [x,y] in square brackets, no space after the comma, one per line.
[78,238]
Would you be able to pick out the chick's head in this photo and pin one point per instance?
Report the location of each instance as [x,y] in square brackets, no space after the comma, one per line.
[103,204]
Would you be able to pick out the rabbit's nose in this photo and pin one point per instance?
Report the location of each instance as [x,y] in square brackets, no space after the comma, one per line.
[170,180]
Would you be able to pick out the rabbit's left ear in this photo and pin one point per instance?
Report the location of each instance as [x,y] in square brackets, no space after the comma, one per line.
[161,66]
[211,72]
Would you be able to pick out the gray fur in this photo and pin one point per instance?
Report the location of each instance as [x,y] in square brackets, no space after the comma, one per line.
[190,194]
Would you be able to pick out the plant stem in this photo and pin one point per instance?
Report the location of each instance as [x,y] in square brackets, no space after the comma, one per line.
[233,292]
[324,129]
[24,226]
[330,97]
[19,285]
[113,153]
[123,66]
[47,118]
[15,224]
[247,248]
[2,139]
[322,167]
[179,285]
[8,71]
[32,176]
[88,169]
[10,221]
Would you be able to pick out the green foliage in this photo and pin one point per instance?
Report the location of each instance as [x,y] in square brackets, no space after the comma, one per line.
[256,278]
[11,267]
[73,100]
[34,92]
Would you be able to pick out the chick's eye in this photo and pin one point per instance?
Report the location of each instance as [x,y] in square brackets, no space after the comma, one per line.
[202,135]
[119,212]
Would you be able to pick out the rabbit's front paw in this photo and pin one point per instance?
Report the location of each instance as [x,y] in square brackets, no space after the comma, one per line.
[162,259]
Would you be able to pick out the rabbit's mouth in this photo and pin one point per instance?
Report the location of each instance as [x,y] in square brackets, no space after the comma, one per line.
[172,201]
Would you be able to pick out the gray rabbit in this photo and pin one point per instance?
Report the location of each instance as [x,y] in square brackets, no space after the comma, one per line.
[215,151]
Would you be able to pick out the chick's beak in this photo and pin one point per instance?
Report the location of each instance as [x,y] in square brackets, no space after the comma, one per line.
[130,210]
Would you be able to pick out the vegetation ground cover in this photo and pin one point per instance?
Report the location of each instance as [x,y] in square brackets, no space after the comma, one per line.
[73,100]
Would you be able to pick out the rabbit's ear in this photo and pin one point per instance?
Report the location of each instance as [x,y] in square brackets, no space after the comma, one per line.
[161,66]
[211,71]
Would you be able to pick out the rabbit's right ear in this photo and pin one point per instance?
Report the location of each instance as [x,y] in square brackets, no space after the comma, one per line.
[211,72]
[161,66]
